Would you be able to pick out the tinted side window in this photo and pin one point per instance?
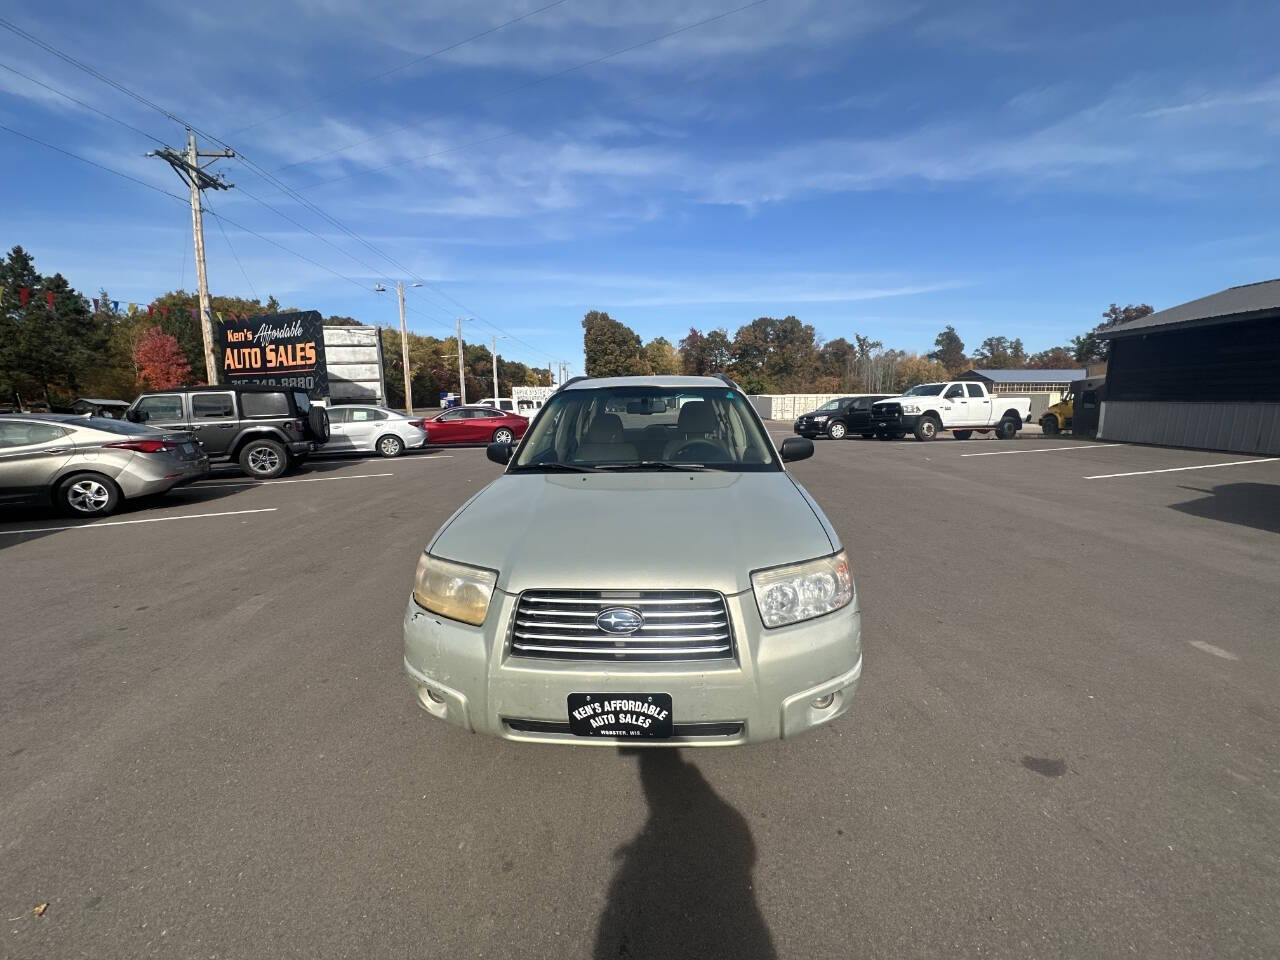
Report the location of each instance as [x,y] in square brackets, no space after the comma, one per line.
[264,404]
[338,414]
[975,390]
[955,393]
[20,434]
[212,406]
[168,407]
[451,415]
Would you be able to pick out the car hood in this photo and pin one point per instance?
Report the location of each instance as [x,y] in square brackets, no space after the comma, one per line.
[606,531]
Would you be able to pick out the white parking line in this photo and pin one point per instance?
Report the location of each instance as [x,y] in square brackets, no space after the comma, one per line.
[267,483]
[1210,648]
[1074,446]
[1203,466]
[121,523]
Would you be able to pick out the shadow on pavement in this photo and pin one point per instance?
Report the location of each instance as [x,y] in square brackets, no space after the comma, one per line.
[684,886]
[1254,505]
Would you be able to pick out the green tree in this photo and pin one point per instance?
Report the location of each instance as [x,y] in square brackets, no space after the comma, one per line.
[1089,349]
[998,353]
[1055,358]
[340,321]
[612,348]
[774,356]
[950,350]
[837,361]
[705,354]
[50,344]
[661,356]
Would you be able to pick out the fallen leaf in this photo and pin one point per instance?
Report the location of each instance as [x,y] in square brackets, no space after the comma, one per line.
[40,909]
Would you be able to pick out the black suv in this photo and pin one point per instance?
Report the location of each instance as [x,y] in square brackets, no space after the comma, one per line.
[265,429]
[839,418]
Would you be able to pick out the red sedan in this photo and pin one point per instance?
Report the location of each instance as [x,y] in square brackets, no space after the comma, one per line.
[477,424]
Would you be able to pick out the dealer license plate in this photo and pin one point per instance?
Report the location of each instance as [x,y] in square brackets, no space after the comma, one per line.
[641,715]
[188,448]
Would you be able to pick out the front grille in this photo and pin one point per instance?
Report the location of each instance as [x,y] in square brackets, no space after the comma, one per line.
[678,625]
[887,411]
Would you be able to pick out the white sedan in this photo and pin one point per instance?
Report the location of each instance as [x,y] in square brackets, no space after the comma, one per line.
[367,429]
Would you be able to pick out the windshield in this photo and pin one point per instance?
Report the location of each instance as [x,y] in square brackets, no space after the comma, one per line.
[829,407]
[925,390]
[646,428]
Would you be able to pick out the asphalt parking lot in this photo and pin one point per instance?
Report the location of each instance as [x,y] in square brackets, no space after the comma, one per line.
[1065,744]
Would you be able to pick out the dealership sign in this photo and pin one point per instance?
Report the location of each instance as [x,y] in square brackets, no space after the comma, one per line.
[276,349]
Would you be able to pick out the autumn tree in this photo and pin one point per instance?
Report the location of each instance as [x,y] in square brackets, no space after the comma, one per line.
[775,356]
[1055,358]
[836,362]
[912,368]
[1089,349]
[161,362]
[703,354]
[949,350]
[661,356]
[612,348]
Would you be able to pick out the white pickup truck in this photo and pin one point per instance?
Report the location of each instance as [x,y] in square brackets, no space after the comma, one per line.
[964,407]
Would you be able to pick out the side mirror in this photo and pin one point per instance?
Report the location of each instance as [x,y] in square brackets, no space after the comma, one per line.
[499,453]
[794,448]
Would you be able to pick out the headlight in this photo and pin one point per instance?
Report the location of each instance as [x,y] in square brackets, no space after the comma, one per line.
[803,591]
[823,417]
[453,590]
[910,408]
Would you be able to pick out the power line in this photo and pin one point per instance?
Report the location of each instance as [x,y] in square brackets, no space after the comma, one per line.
[404,66]
[76,100]
[244,273]
[92,163]
[533,83]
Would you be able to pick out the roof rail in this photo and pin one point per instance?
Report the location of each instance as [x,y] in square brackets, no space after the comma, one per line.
[725,378]
[572,380]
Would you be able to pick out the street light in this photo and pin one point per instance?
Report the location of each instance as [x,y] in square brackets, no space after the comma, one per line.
[404,343]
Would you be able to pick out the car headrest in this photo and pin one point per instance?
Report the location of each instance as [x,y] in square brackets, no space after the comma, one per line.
[697,416]
[605,428]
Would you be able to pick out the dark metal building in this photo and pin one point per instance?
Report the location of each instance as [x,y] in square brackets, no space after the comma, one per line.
[1202,374]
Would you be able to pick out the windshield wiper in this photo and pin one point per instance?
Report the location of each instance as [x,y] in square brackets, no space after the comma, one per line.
[654,465]
[551,468]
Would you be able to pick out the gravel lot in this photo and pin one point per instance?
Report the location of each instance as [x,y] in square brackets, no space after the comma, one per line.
[1065,744]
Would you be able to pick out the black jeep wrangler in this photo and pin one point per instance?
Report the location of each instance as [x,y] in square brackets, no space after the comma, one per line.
[265,429]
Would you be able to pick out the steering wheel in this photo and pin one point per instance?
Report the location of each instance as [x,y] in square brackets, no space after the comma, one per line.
[689,446]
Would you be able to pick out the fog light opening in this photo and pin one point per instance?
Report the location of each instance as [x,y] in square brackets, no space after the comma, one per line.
[821,703]
[434,697]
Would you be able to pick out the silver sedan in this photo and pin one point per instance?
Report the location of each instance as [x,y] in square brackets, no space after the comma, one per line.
[87,465]
[370,429]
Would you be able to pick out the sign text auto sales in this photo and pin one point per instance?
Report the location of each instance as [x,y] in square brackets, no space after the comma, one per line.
[282,350]
[611,713]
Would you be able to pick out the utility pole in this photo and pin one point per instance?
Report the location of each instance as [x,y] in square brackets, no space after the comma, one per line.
[187,166]
[462,377]
[493,351]
[404,352]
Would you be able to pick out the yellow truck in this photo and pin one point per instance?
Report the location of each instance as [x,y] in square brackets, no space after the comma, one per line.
[1064,415]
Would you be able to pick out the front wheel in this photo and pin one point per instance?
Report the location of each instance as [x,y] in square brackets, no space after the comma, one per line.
[837,431]
[1006,430]
[503,435]
[927,428]
[962,434]
[263,459]
[1050,426]
[88,495]
[390,446]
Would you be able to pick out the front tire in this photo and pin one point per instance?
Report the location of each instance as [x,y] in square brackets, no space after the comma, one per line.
[1050,426]
[1006,430]
[263,459]
[390,446]
[837,431]
[503,435]
[927,428]
[88,495]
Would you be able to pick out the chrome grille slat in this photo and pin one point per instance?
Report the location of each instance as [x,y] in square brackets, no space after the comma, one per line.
[680,625]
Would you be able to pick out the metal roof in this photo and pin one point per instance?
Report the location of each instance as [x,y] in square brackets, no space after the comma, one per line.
[597,383]
[1248,301]
[1023,375]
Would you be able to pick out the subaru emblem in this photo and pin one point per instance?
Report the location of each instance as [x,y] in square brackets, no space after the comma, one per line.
[619,620]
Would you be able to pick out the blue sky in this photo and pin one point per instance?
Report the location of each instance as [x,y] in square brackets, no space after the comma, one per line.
[881,167]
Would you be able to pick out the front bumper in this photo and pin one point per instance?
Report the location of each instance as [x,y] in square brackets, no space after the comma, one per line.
[896,423]
[467,676]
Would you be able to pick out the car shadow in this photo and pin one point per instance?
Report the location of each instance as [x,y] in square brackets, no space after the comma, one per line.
[1254,505]
[684,886]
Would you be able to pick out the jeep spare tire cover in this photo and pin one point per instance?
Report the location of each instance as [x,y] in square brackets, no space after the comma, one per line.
[318,420]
